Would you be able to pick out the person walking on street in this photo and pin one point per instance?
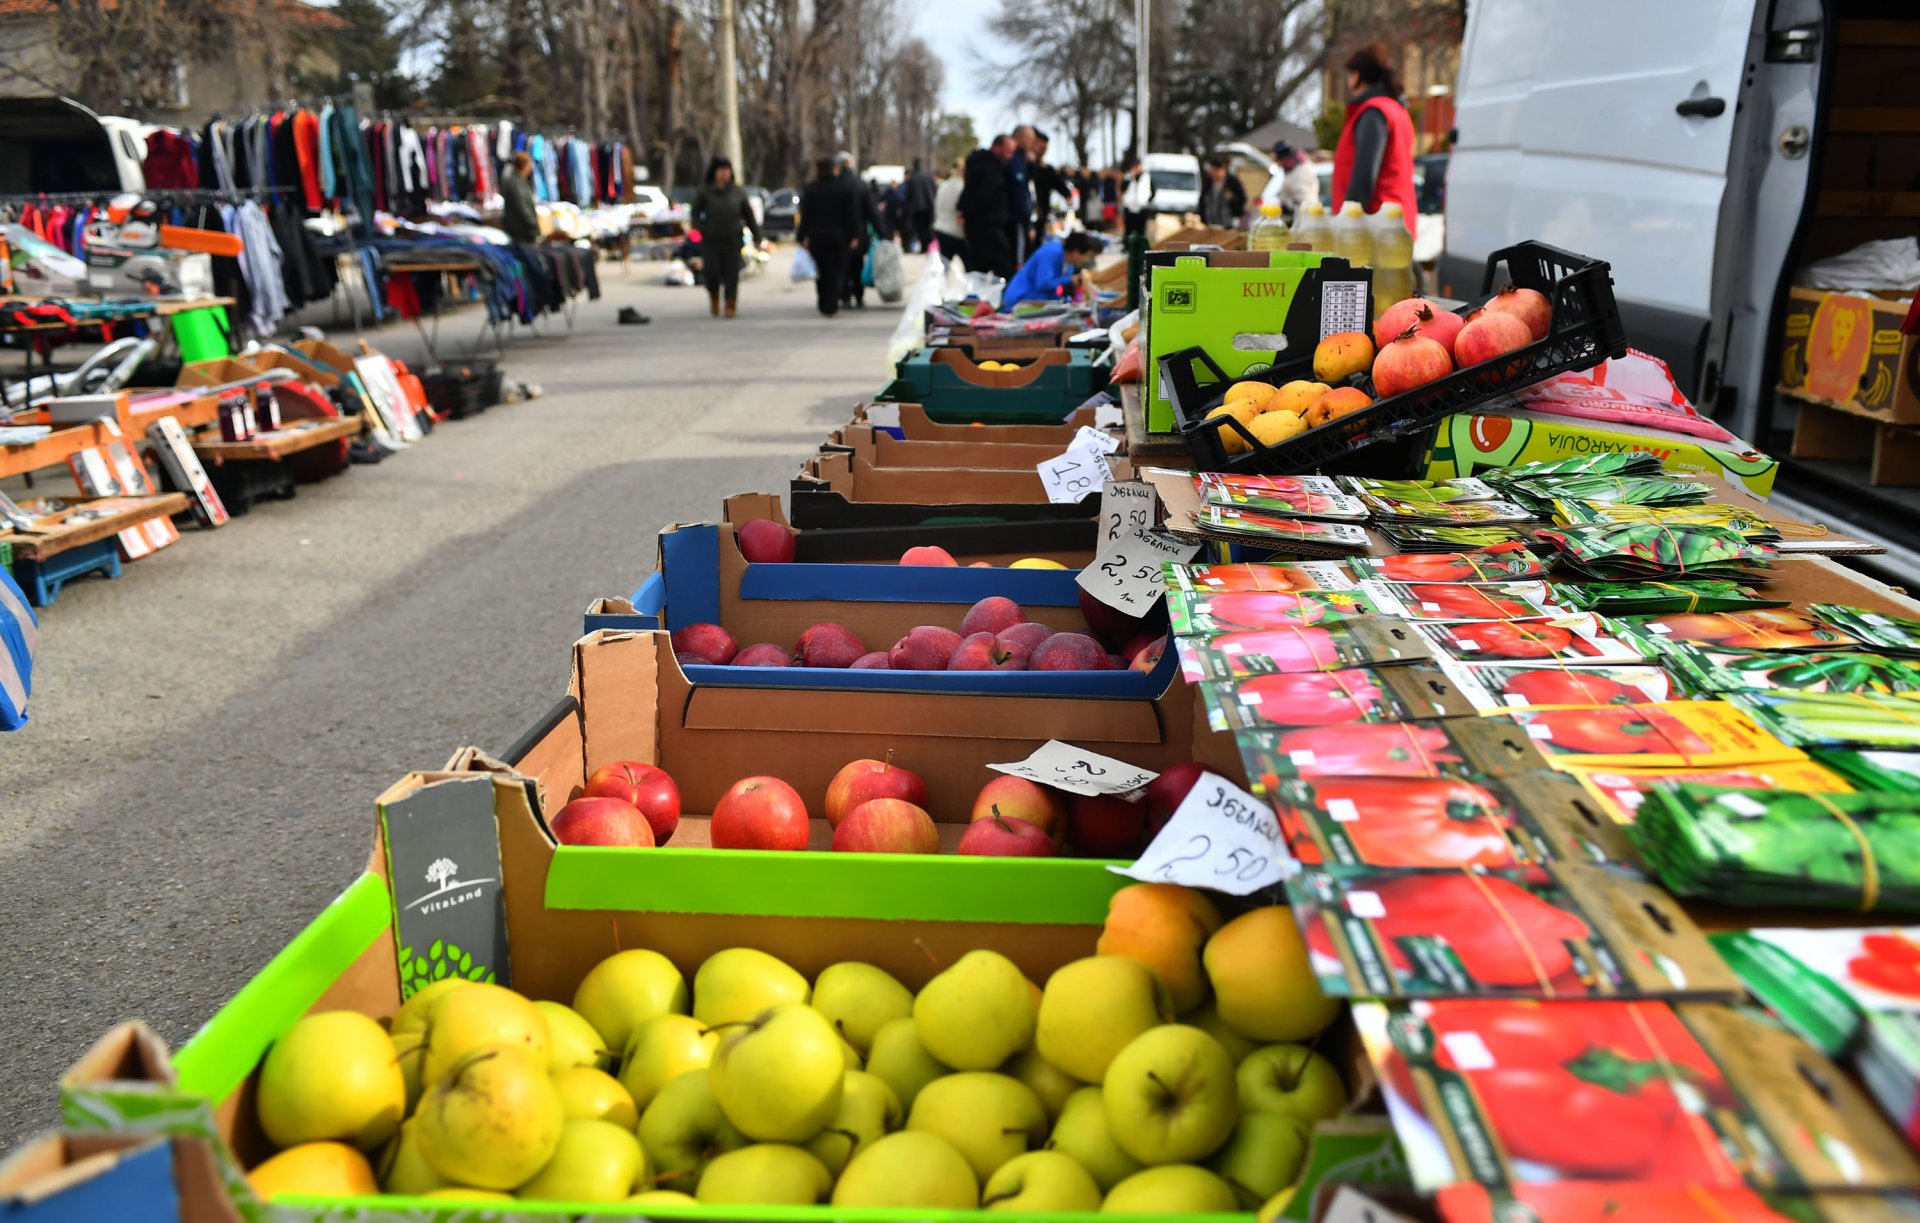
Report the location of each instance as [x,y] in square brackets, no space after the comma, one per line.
[1301,184]
[1057,268]
[825,230]
[946,215]
[986,215]
[521,219]
[1223,197]
[1047,182]
[867,223]
[720,211]
[920,193]
[1373,162]
[1020,192]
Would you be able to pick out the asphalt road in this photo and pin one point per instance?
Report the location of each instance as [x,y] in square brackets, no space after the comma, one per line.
[208,733]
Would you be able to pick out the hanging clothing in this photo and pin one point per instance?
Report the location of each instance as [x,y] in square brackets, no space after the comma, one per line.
[170,162]
[413,164]
[323,154]
[262,264]
[305,127]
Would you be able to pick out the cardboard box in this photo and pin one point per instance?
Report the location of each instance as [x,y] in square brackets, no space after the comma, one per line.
[882,449]
[910,421]
[1245,308]
[1067,541]
[1849,351]
[859,480]
[80,1177]
[1467,443]
[1827,431]
[953,388]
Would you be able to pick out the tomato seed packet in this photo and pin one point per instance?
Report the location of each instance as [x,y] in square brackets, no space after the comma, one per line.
[1282,532]
[1301,575]
[1672,734]
[1637,1200]
[1332,698]
[1565,930]
[1713,668]
[1262,486]
[1367,641]
[1496,686]
[1620,792]
[1580,639]
[1337,507]
[1446,747]
[1198,613]
[1765,629]
[1448,601]
[1502,562]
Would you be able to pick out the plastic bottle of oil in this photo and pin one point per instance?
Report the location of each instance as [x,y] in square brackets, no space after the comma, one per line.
[1269,232]
[1392,257]
[1352,240]
[1312,226]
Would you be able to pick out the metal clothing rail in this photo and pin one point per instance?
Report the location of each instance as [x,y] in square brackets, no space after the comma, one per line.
[151,193]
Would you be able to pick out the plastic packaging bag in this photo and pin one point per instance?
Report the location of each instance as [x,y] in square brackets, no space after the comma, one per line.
[1888,265]
[804,268]
[888,279]
[927,293]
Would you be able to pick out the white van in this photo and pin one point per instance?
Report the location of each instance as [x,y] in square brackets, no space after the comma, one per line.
[1176,181]
[56,145]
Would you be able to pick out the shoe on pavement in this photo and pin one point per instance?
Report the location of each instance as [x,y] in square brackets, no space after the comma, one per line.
[629,315]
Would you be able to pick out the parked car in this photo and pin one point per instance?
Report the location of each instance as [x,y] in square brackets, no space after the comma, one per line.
[783,211]
[649,202]
[58,145]
[1176,181]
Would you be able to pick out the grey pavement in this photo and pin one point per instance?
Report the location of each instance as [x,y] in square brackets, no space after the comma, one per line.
[209,732]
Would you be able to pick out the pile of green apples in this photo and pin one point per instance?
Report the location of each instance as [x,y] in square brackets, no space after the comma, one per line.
[1164,1074]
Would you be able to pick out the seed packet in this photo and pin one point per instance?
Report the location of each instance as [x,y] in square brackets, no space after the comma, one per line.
[1897,772]
[1673,734]
[1496,686]
[1446,513]
[1766,629]
[1622,791]
[1332,698]
[1445,601]
[1613,463]
[1690,595]
[1636,551]
[1197,613]
[1462,489]
[1566,930]
[1574,640]
[1367,641]
[1835,719]
[1448,539]
[1444,823]
[1282,533]
[1262,486]
[1667,1203]
[1879,630]
[1302,575]
[1722,669]
[1448,747]
[1507,562]
[1295,504]
[1662,491]
[1569,511]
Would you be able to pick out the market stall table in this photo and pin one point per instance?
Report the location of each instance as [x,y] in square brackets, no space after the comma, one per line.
[277,444]
[470,266]
[154,308]
[76,540]
[1142,444]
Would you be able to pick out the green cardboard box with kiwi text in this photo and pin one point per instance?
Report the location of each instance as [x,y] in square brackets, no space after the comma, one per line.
[1245,308]
[1467,443]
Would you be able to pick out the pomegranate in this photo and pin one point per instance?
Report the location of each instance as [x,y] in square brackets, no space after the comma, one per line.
[1409,360]
[1437,324]
[1528,305]
[1397,318]
[1489,334]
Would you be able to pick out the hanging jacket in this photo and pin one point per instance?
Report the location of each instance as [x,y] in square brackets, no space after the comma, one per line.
[306,156]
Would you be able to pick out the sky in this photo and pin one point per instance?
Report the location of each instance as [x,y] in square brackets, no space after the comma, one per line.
[955,29]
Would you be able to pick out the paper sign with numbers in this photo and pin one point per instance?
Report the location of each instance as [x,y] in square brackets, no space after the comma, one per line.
[1125,505]
[1343,307]
[1074,475]
[1066,767]
[1090,438]
[1131,575]
[1220,837]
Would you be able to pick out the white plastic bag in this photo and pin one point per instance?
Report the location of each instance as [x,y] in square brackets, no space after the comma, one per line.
[888,280]
[804,268]
[927,293]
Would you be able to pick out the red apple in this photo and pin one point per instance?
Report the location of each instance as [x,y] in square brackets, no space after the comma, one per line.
[1000,836]
[764,541]
[1109,624]
[927,554]
[1166,792]
[993,614]
[1070,652]
[887,826]
[1147,661]
[759,813]
[985,652]
[711,643]
[862,781]
[602,821]
[646,787]
[1105,825]
[1017,798]
[828,645]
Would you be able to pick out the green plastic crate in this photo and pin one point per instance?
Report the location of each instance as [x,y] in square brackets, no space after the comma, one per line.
[955,390]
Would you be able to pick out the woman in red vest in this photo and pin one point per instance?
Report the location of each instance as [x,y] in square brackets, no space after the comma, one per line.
[1373,162]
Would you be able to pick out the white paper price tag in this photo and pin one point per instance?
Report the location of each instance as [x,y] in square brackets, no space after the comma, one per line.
[1066,767]
[1090,438]
[883,415]
[1108,416]
[1220,837]
[1129,576]
[1125,505]
[1074,475]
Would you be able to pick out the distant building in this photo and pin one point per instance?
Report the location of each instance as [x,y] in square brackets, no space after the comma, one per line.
[1264,137]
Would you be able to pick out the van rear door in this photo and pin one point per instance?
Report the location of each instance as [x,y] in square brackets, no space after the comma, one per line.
[1604,129]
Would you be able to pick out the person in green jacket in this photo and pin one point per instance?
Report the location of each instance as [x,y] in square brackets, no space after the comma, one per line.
[720,212]
[522,218]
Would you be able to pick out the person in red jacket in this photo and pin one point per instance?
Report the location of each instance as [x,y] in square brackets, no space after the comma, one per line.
[1373,162]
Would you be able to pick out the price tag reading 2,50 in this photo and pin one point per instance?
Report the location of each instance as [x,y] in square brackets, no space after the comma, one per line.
[1125,505]
[1066,767]
[1075,475]
[1131,575]
[1220,837]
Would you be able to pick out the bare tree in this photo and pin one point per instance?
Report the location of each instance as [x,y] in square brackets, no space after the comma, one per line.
[1076,61]
[1235,64]
[126,56]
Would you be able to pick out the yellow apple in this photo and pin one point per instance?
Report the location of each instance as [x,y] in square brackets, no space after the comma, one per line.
[859,999]
[1172,1189]
[572,1041]
[625,990]
[1093,1008]
[1263,982]
[1041,1182]
[977,1013]
[779,1077]
[902,1062]
[662,1049]
[594,1095]
[333,1076]
[476,1016]
[767,1174]
[868,1111]
[989,1118]
[734,985]
[1171,1096]
[494,1119]
[683,1130]
[911,1170]
[596,1161]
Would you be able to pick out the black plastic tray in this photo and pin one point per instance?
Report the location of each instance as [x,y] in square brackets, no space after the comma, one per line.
[1586,330]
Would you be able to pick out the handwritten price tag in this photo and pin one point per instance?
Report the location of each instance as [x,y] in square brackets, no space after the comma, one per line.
[1125,505]
[1089,438]
[1108,416]
[1220,837]
[1066,767]
[1131,575]
[1074,475]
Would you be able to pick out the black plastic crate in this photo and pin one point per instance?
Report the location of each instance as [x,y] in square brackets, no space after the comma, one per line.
[1586,330]
[453,392]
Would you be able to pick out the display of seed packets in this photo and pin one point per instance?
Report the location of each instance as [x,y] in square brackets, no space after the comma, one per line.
[1198,613]
[1897,772]
[1895,634]
[1567,511]
[1444,823]
[1621,791]
[1659,598]
[1612,463]
[1565,930]
[1507,562]
[1448,539]
[1281,533]
[1767,629]
[1462,489]
[1443,601]
[1364,642]
[1446,513]
[1836,719]
[1578,639]
[1332,698]
[1674,734]
[1287,496]
[1446,747]
[1724,669]
[1639,551]
[1262,486]
[1493,686]
[1661,490]
[1697,1105]
[1300,575]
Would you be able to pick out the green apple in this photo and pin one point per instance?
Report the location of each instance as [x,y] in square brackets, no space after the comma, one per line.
[1263,1157]
[410,1050]
[1171,1096]
[859,999]
[683,1130]
[1206,1017]
[977,1013]
[911,1170]
[902,1062]
[851,1055]
[493,1120]
[1291,1081]
[868,1111]
[661,1049]
[1270,1213]
[476,1016]
[597,1161]
[734,985]
[989,1118]
[625,990]
[779,1076]
[1082,1133]
[403,1169]
[572,1041]
[412,1015]
[596,1095]
[765,1174]
[663,1197]
[1092,1008]
[1040,1182]
[1052,1084]
[1171,1189]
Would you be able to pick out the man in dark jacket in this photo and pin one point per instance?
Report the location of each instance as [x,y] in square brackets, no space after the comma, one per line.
[920,190]
[867,222]
[1020,189]
[985,215]
[825,229]
[1223,197]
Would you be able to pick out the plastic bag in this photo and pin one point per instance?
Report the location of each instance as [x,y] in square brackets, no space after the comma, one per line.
[866,264]
[888,279]
[1888,265]
[804,268]
[927,293]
